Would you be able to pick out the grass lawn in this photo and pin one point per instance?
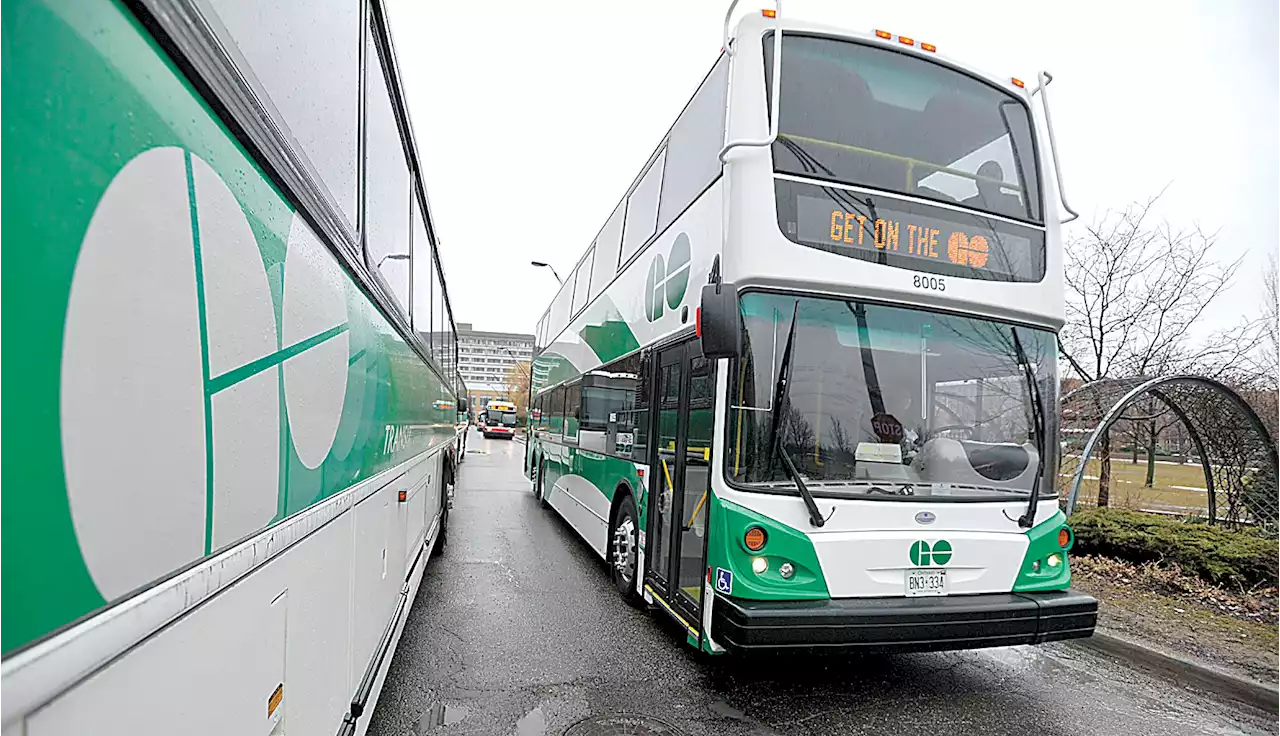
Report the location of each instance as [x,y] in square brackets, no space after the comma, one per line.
[1177,488]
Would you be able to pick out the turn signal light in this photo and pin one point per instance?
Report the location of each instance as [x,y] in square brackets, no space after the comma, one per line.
[1064,537]
[769,13]
[884,34]
[755,539]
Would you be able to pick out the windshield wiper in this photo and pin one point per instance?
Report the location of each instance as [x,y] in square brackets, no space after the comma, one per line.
[780,393]
[1028,519]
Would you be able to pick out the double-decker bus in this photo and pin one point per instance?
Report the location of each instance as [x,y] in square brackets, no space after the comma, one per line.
[499,420]
[231,401]
[801,390]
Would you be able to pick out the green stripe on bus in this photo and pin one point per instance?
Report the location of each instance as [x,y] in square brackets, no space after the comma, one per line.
[248,370]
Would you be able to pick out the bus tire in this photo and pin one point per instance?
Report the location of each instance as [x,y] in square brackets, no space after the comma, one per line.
[442,537]
[623,549]
[538,484]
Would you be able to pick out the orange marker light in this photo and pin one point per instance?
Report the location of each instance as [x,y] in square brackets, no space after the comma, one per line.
[906,41]
[769,13]
[755,539]
[1018,83]
[884,34]
[404,496]
[929,47]
[1064,537]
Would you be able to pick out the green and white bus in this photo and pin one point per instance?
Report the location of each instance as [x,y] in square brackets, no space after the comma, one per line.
[801,390]
[231,403]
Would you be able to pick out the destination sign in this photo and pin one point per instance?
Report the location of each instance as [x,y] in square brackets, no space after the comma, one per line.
[919,237]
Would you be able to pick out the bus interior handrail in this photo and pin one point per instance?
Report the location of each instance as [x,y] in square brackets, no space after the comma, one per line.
[911,162]
[1045,78]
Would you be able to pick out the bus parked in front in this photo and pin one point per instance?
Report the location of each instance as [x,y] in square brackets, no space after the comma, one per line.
[801,390]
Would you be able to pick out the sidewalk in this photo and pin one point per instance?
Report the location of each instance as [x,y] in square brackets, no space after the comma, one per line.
[1184,670]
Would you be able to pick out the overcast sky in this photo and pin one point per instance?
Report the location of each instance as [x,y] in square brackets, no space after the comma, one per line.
[533,118]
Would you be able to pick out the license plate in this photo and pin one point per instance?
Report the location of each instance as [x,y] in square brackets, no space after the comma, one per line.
[926,581]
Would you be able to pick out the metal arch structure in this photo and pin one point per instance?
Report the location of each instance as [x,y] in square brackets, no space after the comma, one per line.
[1235,451]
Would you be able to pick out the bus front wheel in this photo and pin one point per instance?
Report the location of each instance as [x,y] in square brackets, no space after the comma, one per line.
[623,548]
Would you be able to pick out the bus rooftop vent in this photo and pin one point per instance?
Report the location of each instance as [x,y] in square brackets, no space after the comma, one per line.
[621,724]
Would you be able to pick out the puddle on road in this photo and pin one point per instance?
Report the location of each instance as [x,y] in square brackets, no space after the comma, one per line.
[441,714]
[534,723]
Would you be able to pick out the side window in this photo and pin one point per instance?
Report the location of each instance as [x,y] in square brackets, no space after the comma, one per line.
[421,247]
[536,417]
[572,411]
[693,150]
[556,410]
[386,186]
[581,289]
[437,310]
[559,312]
[642,209]
[639,429]
[308,63]
[608,245]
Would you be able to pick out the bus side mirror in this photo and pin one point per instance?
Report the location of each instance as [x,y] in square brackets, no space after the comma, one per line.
[719,323]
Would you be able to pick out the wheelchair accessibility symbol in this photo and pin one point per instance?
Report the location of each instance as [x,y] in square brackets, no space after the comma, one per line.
[724,581]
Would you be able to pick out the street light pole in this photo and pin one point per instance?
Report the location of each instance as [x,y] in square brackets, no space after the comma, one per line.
[540,264]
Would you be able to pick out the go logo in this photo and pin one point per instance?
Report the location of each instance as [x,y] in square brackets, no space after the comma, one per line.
[922,555]
[667,280]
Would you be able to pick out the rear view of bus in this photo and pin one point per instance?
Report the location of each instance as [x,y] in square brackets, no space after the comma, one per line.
[889,439]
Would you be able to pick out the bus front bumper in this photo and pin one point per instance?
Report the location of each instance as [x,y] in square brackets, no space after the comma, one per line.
[915,624]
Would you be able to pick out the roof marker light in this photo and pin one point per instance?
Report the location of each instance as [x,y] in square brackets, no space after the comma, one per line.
[929,47]
[906,41]
[884,34]
[1018,83]
[769,13]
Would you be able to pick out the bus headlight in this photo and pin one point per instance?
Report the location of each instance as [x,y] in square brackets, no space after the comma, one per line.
[1054,560]
[759,565]
[786,570]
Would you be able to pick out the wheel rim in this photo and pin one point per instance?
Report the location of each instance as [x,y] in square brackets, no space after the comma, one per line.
[624,549]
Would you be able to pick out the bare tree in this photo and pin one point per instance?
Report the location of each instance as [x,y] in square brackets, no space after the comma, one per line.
[1135,290]
[517,381]
[1267,394]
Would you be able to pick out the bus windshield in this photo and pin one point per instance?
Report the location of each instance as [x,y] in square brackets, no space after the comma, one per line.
[858,114]
[500,415]
[886,401]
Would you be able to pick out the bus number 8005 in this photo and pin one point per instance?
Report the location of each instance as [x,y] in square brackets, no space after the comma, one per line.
[928,282]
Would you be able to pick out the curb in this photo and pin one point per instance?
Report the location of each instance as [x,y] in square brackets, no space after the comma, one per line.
[1260,695]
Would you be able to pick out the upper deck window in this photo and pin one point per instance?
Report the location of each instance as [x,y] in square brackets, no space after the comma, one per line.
[859,114]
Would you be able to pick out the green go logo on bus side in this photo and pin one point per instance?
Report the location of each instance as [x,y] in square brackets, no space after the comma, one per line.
[667,279]
[922,555]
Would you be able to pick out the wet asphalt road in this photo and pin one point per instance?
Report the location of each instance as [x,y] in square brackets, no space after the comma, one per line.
[517,629]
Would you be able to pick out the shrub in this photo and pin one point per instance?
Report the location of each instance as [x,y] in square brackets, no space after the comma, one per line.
[1220,556]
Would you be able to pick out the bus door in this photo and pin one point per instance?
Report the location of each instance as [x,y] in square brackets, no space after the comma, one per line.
[680,461]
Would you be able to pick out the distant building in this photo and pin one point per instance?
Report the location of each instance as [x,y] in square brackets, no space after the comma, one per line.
[485,359]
